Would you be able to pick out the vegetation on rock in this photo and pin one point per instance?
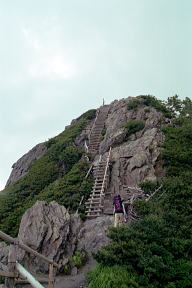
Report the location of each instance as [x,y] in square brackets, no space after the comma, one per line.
[58,175]
[132,127]
[156,251]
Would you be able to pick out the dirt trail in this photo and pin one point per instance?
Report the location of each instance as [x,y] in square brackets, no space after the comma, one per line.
[69,281]
[75,281]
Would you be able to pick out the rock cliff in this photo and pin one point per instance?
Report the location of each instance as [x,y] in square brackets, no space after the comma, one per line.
[20,168]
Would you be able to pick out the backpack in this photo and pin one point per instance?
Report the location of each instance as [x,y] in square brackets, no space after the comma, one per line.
[118,204]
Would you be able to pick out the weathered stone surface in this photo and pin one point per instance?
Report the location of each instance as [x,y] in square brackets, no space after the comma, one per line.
[135,159]
[4,251]
[20,168]
[93,234]
[49,229]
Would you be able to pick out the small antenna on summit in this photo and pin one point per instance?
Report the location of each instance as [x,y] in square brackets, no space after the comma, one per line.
[103,101]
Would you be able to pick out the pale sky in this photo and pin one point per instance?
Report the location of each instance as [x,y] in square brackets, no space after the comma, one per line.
[59,58]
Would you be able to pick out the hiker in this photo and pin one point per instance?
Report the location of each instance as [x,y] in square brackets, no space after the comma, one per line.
[118,211]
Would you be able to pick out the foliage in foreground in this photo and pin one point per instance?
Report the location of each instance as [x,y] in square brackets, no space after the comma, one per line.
[111,277]
[157,249]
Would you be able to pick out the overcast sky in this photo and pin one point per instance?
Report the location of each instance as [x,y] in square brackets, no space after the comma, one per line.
[59,58]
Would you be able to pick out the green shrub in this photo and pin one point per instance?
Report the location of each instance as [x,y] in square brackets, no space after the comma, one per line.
[111,277]
[148,186]
[89,115]
[146,110]
[151,149]
[103,132]
[101,138]
[79,258]
[145,118]
[133,126]
[67,269]
[133,104]
[150,100]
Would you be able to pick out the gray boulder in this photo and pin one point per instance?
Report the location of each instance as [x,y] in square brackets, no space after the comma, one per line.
[93,234]
[49,229]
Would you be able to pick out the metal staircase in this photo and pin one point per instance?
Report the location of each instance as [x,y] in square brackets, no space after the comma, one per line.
[95,204]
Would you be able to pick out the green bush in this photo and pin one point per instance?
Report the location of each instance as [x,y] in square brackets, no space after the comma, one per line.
[152,101]
[89,115]
[132,127]
[111,277]
[133,104]
[79,258]
[148,186]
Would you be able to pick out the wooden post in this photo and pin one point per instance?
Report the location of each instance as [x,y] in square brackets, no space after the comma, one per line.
[10,282]
[51,276]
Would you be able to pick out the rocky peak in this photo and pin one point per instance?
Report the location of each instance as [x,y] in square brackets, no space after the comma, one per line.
[20,168]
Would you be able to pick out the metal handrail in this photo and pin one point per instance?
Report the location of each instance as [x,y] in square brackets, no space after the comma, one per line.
[34,283]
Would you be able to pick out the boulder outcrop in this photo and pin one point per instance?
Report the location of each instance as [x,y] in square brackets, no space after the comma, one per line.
[20,168]
[93,234]
[49,229]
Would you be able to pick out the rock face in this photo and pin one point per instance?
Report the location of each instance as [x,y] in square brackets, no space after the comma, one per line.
[93,234]
[135,159]
[4,251]
[50,230]
[20,168]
